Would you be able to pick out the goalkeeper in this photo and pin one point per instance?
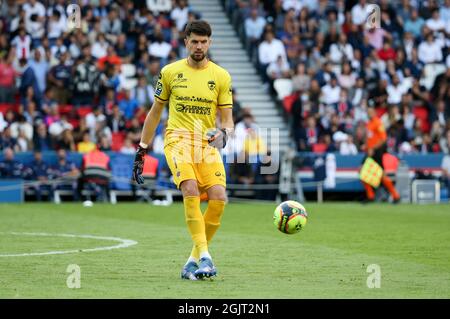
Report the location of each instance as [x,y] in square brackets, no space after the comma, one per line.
[376,148]
[195,89]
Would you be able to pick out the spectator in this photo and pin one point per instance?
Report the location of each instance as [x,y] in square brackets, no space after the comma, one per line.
[359,12]
[99,48]
[65,173]
[160,48]
[104,143]
[7,79]
[85,80]
[156,6]
[435,23]
[41,140]
[39,171]
[135,130]
[277,70]
[111,26]
[331,92]
[341,50]
[143,93]
[254,27]
[9,167]
[269,51]
[242,171]
[127,147]
[430,51]
[59,78]
[308,135]
[22,44]
[7,141]
[40,68]
[347,147]
[116,121]
[347,78]
[66,141]
[130,106]
[86,145]
[57,25]
[301,80]
[57,127]
[414,24]
[19,125]
[180,14]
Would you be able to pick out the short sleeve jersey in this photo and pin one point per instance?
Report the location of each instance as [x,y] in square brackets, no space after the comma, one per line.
[194,95]
[375,132]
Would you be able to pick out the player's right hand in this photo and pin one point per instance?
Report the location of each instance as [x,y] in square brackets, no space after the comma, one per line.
[138,165]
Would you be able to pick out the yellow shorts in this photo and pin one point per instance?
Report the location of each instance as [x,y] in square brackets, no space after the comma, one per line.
[201,163]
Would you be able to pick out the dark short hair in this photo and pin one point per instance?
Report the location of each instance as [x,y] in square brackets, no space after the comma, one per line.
[199,27]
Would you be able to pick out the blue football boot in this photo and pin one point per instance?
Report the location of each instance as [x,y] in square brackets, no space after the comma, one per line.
[188,271]
[205,268]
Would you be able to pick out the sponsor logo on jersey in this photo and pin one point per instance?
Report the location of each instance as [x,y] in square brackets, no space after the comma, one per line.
[193,109]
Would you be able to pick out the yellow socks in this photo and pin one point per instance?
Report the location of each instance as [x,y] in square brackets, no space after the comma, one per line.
[195,223]
[212,218]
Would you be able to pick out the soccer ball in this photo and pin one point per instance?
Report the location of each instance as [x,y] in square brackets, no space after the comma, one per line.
[290,217]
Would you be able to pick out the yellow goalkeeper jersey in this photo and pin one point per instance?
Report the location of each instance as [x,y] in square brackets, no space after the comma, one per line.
[194,95]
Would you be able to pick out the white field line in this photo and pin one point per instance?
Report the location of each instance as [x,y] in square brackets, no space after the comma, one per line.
[123,243]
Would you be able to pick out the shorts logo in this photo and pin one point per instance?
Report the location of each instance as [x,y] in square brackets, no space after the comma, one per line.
[211,85]
[178,174]
[218,174]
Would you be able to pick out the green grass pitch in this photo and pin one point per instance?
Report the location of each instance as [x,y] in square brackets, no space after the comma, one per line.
[328,259]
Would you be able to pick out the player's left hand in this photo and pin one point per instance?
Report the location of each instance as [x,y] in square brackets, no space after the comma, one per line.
[218,138]
[138,165]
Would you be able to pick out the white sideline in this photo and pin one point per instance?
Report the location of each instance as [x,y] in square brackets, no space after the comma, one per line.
[124,243]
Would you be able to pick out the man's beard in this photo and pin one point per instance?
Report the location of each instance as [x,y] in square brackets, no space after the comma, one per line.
[198,59]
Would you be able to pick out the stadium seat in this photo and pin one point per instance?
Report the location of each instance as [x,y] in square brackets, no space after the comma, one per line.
[319,148]
[421,113]
[4,107]
[283,87]
[380,111]
[65,109]
[117,141]
[82,111]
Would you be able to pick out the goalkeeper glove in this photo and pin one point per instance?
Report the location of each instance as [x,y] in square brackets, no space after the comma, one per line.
[218,138]
[138,165]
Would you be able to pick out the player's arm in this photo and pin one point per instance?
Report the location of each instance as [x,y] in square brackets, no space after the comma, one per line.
[227,120]
[151,122]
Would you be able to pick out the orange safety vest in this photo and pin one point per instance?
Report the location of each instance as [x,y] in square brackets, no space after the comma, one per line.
[150,166]
[375,132]
[96,159]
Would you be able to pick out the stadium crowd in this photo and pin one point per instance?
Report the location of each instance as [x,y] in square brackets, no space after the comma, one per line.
[79,88]
[338,65]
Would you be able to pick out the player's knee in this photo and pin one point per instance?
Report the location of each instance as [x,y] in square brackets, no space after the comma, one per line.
[217,193]
[189,188]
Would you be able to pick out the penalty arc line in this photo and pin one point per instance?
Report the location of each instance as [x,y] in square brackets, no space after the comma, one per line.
[123,243]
